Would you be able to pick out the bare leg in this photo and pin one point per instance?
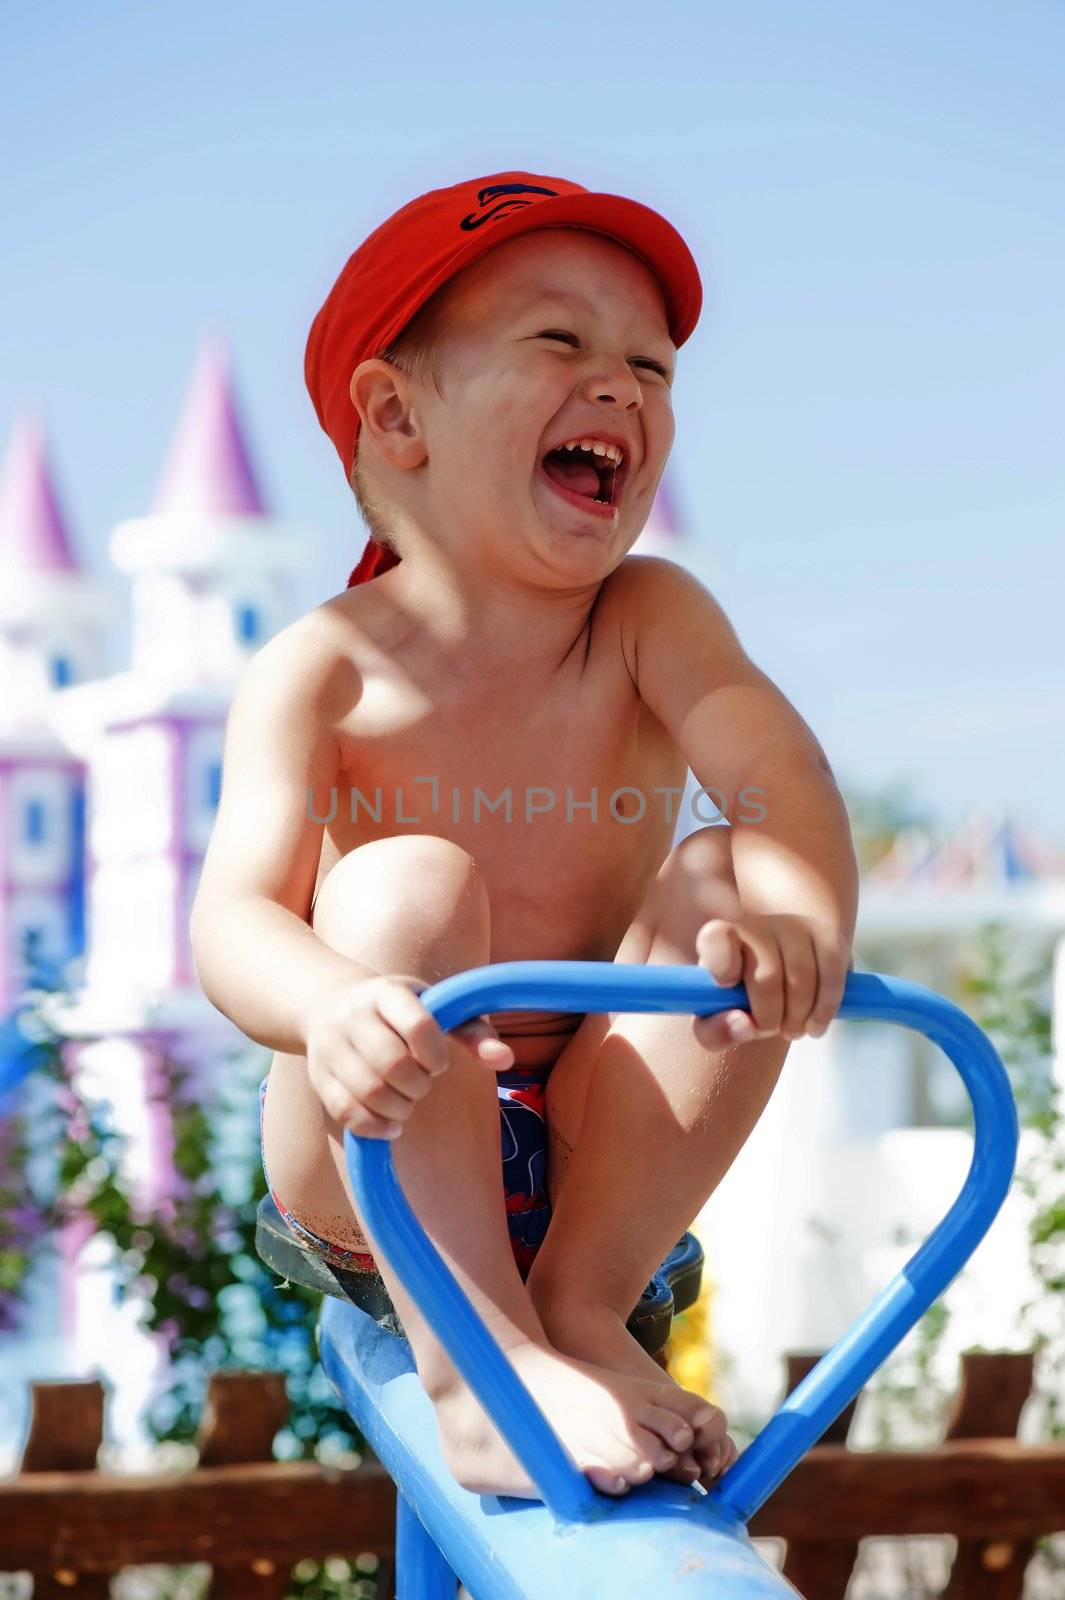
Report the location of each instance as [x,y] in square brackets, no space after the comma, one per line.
[644,1123]
[417,906]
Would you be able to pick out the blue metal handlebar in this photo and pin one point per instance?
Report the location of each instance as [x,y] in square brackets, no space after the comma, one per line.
[592,986]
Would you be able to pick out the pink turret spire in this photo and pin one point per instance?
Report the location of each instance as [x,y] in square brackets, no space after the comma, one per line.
[33,535]
[208,471]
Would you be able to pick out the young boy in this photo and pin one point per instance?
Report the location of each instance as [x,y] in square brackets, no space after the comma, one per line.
[474,754]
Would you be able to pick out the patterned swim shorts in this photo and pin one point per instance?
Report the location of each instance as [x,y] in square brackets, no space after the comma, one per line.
[523,1147]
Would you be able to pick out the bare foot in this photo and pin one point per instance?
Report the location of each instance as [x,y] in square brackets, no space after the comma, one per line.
[592,1330]
[619,1428]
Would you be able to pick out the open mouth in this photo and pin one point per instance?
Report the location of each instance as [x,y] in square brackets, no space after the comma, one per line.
[586,475]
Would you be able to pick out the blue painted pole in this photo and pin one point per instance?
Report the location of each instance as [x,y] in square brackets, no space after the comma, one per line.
[705,1533]
[421,1570]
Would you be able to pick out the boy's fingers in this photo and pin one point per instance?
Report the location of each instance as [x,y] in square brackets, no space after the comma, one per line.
[715,1032]
[729,951]
[479,1036]
[763,978]
[799,958]
[401,1009]
[718,949]
[428,1042]
[345,1109]
[426,1039]
[387,1103]
[832,980]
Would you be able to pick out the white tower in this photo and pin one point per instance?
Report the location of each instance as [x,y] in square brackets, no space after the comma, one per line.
[52,621]
[213,576]
[212,573]
[52,615]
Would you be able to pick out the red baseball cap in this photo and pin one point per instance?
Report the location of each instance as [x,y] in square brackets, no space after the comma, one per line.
[417,249]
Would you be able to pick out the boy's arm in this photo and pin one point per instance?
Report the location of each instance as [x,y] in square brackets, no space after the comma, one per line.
[792,852]
[257,958]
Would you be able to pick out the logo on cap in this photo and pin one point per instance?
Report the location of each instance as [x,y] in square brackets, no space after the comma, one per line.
[492,192]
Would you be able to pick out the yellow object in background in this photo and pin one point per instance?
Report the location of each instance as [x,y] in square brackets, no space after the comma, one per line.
[692,1350]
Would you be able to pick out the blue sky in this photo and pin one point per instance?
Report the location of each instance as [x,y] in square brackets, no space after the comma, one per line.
[869,415]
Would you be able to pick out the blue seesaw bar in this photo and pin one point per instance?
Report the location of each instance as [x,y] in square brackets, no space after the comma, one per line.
[660,1539]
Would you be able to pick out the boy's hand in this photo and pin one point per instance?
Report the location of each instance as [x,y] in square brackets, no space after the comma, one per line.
[793,968]
[373,1050]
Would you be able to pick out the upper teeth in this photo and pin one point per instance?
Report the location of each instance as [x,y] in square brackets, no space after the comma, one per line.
[597,446]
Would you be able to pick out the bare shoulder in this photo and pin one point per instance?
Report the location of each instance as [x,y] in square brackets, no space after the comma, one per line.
[693,672]
[657,599]
[645,581]
[281,750]
[306,664]
[285,719]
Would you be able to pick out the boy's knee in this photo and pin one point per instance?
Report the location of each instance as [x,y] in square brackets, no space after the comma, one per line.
[432,885]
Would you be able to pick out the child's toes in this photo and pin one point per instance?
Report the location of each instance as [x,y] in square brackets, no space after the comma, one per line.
[607,1480]
[653,1450]
[709,1457]
[707,1420]
[670,1427]
[711,1432]
[686,1470]
[716,1459]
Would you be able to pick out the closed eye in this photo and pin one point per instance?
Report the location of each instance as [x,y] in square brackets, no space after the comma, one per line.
[639,361]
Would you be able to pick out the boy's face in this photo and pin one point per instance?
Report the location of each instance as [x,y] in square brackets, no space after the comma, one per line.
[514,390]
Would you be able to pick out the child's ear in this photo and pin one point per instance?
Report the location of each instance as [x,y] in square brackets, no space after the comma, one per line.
[371,379]
[381,394]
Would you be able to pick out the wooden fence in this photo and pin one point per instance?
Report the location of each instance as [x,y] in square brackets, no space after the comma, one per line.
[252,1518]
[980,1484]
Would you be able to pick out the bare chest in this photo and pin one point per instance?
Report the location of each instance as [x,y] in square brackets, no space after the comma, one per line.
[565,795]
